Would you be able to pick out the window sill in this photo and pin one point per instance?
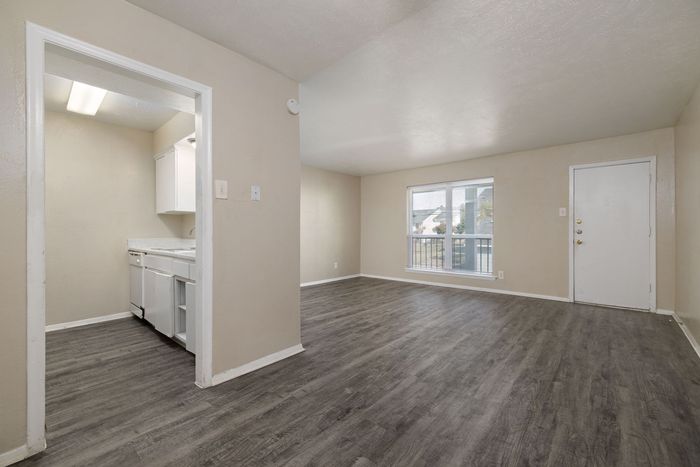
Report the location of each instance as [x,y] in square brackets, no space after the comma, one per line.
[470,275]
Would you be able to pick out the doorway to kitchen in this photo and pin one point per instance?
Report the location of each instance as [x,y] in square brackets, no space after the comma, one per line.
[612,253]
[43,46]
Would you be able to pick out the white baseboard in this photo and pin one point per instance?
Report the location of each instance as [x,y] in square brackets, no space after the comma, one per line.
[468,287]
[687,333]
[256,364]
[14,455]
[85,322]
[661,311]
[326,281]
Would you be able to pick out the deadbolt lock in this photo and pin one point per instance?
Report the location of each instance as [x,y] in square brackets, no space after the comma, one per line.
[579,231]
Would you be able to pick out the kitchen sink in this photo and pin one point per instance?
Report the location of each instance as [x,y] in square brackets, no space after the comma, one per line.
[188,252]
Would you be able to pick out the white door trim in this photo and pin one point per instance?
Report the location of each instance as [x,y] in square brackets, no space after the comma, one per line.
[36,39]
[652,220]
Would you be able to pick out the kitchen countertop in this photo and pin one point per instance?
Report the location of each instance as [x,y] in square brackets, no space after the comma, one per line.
[181,254]
[182,248]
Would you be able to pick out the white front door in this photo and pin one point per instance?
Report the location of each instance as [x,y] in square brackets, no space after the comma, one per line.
[613,235]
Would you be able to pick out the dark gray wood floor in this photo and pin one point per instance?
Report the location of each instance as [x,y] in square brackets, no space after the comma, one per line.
[393,374]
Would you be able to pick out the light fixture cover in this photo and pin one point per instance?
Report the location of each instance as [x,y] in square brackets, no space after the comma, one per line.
[85,99]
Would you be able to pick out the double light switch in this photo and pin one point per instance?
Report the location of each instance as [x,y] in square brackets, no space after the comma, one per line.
[221,190]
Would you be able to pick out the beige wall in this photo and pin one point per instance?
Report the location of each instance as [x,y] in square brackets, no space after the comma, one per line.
[187,226]
[255,141]
[100,191]
[330,224]
[530,239]
[687,217]
[174,130]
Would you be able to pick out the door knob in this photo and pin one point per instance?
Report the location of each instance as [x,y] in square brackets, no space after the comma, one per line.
[579,221]
[578,242]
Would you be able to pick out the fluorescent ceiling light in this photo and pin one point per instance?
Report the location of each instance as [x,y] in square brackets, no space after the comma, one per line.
[85,99]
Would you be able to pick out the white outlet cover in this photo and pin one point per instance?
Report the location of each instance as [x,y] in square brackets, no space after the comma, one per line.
[562,212]
[500,275]
[255,192]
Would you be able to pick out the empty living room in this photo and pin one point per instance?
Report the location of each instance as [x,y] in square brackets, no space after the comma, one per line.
[350,233]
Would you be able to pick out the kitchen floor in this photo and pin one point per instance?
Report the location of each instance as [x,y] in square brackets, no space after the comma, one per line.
[393,374]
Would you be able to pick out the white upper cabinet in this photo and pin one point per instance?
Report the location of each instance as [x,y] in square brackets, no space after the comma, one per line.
[175,180]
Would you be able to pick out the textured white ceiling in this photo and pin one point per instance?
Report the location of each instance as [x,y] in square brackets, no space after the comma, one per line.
[296,38]
[463,79]
[116,109]
[392,84]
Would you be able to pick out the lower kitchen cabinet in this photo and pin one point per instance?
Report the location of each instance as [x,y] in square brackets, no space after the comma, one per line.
[184,313]
[169,292]
[159,300]
[190,290]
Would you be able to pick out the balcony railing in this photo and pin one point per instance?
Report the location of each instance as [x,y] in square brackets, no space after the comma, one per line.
[429,252]
[469,254]
[472,255]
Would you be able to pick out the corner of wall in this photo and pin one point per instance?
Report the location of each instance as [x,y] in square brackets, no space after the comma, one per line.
[330,227]
[687,191]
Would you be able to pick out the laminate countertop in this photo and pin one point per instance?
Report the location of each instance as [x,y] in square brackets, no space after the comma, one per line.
[186,254]
[181,248]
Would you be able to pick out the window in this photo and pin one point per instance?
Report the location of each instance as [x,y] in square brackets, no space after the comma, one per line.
[451,227]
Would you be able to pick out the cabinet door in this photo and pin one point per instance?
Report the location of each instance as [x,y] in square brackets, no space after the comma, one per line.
[166,183]
[186,167]
[159,301]
[190,290]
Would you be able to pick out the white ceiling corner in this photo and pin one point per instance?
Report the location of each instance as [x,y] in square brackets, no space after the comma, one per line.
[296,38]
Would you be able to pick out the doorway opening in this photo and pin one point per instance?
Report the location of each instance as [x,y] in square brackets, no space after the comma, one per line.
[51,51]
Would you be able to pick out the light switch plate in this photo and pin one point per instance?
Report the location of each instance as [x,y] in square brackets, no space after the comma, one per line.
[562,212]
[255,192]
[221,189]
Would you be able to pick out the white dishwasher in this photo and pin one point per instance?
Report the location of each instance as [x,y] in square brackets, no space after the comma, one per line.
[136,283]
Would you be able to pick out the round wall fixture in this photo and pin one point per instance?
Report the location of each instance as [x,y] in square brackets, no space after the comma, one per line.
[293,106]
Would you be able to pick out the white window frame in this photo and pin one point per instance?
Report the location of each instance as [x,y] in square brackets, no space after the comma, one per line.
[448,236]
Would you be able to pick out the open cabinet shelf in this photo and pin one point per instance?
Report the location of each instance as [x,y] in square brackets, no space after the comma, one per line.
[182,337]
[184,313]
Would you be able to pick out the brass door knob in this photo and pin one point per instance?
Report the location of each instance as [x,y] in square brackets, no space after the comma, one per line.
[578,242]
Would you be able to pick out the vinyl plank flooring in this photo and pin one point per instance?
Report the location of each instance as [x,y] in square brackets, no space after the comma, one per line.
[393,374]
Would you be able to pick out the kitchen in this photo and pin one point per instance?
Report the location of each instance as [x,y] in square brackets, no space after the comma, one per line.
[162,271]
[120,186]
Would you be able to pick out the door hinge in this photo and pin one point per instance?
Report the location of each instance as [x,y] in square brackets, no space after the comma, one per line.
[649,288]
